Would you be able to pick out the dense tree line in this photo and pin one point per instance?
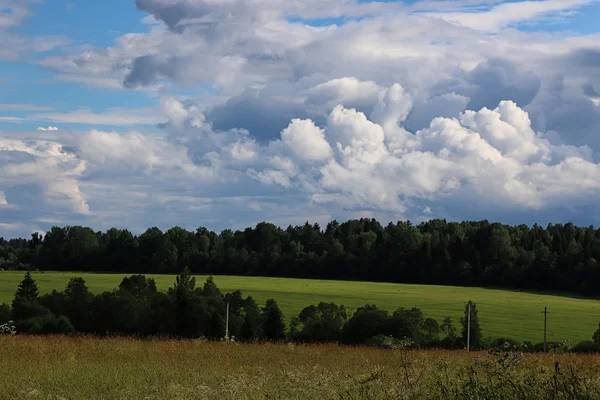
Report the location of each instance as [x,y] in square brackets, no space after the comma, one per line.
[137,308]
[558,257]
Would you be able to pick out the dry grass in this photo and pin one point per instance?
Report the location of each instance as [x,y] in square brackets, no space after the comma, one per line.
[91,368]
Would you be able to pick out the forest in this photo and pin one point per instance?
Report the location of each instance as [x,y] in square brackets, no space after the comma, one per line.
[559,257]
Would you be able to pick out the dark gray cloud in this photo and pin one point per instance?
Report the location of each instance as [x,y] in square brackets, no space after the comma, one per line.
[262,115]
[569,112]
[448,105]
[492,81]
[170,13]
[144,72]
[588,58]
[588,90]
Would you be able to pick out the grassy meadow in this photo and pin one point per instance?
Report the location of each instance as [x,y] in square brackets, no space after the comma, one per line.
[62,368]
[502,313]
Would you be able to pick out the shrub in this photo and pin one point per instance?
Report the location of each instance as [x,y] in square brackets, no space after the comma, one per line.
[504,343]
[23,309]
[596,336]
[390,342]
[452,343]
[367,322]
[586,346]
[5,313]
[322,323]
[553,347]
[47,324]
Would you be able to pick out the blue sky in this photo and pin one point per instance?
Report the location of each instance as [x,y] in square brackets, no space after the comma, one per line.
[86,22]
[293,111]
[90,24]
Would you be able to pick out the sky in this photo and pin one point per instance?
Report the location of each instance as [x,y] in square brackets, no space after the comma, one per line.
[226,113]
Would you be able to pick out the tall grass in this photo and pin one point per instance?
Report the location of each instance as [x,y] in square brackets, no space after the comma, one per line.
[91,368]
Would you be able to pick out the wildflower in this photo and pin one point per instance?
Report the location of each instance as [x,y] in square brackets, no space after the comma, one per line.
[8,328]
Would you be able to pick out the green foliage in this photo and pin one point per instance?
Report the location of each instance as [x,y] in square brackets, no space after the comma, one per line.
[76,303]
[24,309]
[596,336]
[367,322]
[508,344]
[586,347]
[273,323]
[322,323]
[410,323]
[5,313]
[476,335]
[558,257]
[245,319]
[448,327]
[138,285]
[28,289]
[559,347]
[390,342]
[186,309]
[429,330]
[46,324]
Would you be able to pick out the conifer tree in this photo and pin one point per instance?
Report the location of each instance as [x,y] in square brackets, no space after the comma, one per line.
[185,284]
[28,289]
[273,322]
[26,304]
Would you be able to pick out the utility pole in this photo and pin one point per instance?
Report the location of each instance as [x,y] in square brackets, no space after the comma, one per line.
[469,326]
[227,323]
[545,324]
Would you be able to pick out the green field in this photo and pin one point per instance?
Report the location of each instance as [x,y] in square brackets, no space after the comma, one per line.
[502,313]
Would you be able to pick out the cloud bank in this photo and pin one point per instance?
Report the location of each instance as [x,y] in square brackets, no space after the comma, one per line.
[435,109]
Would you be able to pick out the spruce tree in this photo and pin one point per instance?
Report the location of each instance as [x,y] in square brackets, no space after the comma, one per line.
[28,289]
[273,322]
[26,304]
[184,287]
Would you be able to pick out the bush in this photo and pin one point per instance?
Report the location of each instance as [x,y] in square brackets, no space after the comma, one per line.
[47,324]
[5,313]
[553,347]
[586,346]
[503,343]
[367,322]
[452,343]
[23,309]
[322,323]
[390,342]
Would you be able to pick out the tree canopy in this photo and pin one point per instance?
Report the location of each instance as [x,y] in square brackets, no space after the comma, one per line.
[559,257]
